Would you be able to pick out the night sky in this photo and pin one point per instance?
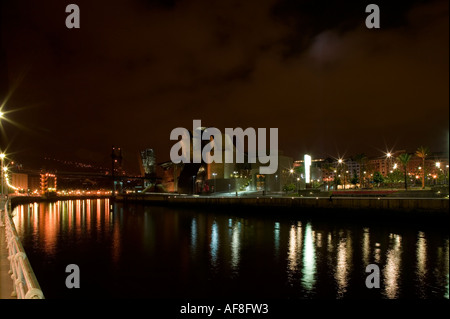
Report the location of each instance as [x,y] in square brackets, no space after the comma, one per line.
[137,69]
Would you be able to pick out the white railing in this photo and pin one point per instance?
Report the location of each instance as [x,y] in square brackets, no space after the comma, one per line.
[25,284]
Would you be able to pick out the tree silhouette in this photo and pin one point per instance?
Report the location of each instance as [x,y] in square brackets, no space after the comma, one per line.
[423,152]
[404,159]
[361,159]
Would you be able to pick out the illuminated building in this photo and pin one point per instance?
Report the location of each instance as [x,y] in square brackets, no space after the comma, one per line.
[48,183]
[147,165]
[148,162]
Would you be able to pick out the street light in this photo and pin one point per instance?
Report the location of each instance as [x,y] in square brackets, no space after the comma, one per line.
[388,162]
[346,173]
[214,175]
[340,162]
[193,184]
[235,182]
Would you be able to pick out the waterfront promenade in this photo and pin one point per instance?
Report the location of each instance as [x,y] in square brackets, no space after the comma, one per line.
[406,204]
[415,205]
[17,279]
[6,284]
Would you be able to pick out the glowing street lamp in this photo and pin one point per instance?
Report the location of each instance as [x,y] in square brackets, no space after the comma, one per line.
[388,161]
[340,162]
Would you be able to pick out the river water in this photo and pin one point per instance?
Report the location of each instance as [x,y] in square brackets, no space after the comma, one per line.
[142,251]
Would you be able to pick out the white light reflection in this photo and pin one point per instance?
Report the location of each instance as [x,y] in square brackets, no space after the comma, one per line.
[235,246]
[309,259]
[421,258]
[343,267]
[391,271]
[276,235]
[330,243]
[366,246]
[377,253]
[214,246]
[295,244]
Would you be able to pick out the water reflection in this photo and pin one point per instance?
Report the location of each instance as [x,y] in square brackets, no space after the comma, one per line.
[421,257]
[309,259]
[193,235]
[366,246]
[392,268]
[344,262]
[276,238]
[214,246]
[235,246]
[205,251]
[116,246]
[294,251]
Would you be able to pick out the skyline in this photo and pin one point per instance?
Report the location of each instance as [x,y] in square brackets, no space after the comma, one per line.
[135,71]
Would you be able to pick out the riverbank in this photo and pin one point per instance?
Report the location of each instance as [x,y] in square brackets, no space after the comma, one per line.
[333,202]
[407,208]
[22,200]
[400,207]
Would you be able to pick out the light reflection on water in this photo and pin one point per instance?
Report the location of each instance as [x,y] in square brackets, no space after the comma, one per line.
[295,250]
[300,258]
[421,258]
[392,268]
[309,259]
[214,247]
[343,266]
[276,238]
[235,246]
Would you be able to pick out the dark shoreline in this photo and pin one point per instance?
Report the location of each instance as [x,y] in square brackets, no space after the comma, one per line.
[430,211]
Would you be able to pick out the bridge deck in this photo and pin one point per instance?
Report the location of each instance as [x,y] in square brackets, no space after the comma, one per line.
[6,284]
